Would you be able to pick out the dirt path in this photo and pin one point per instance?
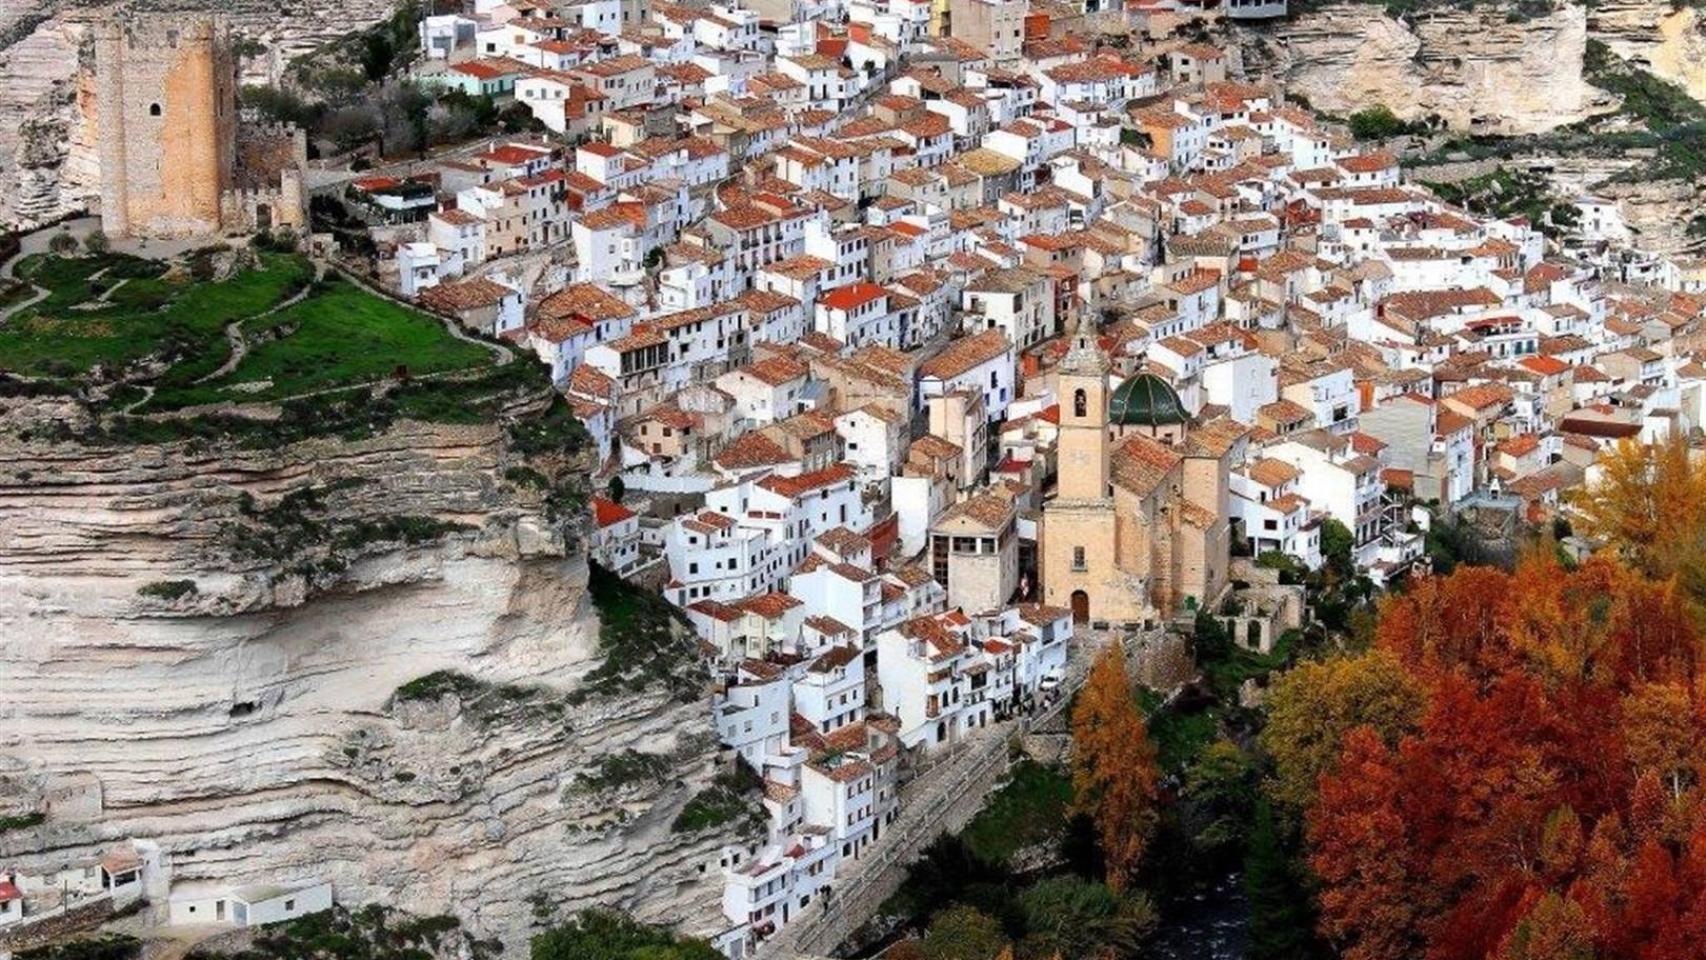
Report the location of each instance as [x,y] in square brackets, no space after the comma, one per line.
[234,329]
[41,293]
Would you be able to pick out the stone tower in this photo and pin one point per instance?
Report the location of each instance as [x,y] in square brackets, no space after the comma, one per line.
[1083,386]
[166,123]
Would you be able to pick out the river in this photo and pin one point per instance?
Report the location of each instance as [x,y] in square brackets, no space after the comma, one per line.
[1212,925]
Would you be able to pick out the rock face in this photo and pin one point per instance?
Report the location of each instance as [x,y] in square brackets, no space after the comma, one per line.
[1473,68]
[39,119]
[1667,39]
[250,725]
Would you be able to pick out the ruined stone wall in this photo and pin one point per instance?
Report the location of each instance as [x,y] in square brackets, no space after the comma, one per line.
[166,129]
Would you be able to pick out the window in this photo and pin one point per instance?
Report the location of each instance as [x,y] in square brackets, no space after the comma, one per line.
[154,109]
[1078,562]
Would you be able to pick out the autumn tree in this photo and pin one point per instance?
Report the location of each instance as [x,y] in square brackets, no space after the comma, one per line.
[1648,503]
[1554,929]
[1362,851]
[1114,770]
[1544,800]
[1313,705]
[1663,734]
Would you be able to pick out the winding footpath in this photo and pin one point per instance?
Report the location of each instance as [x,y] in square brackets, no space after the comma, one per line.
[234,329]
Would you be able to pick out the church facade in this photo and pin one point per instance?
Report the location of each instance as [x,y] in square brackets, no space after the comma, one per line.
[1138,528]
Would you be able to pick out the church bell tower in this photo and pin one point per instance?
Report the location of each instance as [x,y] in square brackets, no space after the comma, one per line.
[1082,379]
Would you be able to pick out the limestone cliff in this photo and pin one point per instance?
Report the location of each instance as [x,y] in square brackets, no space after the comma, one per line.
[178,661]
[1667,39]
[1475,69]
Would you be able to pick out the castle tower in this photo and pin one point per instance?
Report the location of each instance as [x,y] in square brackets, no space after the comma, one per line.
[1082,379]
[166,123]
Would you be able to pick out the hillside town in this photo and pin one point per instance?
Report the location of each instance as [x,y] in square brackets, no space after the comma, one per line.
[916,337]
[922,345]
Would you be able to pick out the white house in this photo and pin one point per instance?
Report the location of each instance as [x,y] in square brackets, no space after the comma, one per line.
[251,906]
[983,362]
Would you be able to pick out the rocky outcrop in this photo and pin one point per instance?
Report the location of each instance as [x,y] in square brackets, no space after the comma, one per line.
[1667,39]
[1475,69]
[39,119]
[158,682]
[1658,212]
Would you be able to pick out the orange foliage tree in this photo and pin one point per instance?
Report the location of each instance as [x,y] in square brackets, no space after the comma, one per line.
[1114,768]
[1550,804]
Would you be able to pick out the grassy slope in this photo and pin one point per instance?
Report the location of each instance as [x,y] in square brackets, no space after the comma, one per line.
[1029,810]
[340,334]
[144,316]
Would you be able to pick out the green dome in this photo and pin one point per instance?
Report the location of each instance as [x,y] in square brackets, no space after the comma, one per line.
[1146,400]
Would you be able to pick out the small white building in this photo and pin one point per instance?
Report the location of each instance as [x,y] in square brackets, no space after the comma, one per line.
[616,542]
[251,906]
[417,267]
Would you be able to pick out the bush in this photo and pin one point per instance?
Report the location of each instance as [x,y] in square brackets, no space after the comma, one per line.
[112,946]
[608,935]
[1377,123]
[21,822]
[63,244]
[167,589]
[95,242]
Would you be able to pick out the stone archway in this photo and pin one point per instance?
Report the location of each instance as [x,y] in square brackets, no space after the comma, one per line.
[1080,607]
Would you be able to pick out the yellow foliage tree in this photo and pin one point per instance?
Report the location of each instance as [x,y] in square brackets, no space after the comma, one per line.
[1649,504]
[1114,771]
[1314,704]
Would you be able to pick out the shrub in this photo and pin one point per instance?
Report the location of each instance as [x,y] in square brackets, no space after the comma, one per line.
[1377,123]
[167,589]
[21,821]
[63,244]
[95,242]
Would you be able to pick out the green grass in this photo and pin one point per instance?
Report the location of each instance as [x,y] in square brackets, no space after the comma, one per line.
[1029,810]
[340,334]
[72,330]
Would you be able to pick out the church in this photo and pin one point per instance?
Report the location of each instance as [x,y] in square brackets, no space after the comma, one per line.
[1138,527]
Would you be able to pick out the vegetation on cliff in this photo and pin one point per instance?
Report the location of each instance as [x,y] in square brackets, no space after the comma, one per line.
[305,533]
[732,798]
[607,935]
[111,946]
[645,642]
[369,933]
[1657,125]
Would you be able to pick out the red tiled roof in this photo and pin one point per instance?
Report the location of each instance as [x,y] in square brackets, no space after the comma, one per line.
[608,512]
[852,296]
